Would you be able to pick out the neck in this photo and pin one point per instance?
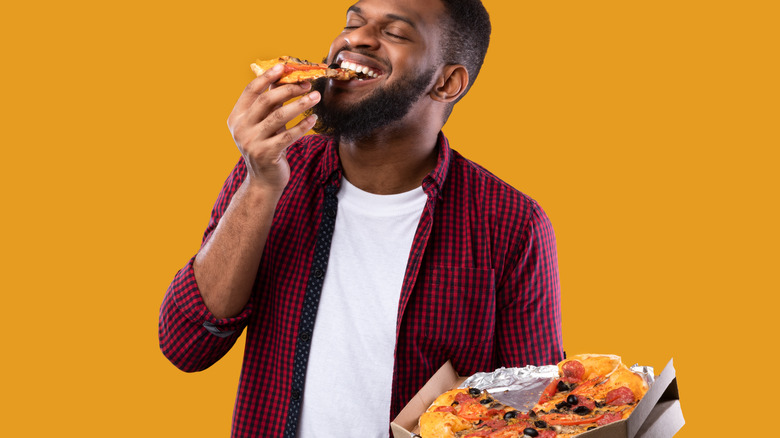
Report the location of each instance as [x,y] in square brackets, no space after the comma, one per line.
[389,162]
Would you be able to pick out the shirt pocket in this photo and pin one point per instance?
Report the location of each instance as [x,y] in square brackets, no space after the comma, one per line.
[458,305]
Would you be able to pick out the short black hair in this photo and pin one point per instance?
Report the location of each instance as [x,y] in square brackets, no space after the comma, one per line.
[466,36]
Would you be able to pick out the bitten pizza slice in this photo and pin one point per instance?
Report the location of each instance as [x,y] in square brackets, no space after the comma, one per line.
[298,70]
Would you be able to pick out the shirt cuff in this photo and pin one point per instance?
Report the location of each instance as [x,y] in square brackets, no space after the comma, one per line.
[187,297]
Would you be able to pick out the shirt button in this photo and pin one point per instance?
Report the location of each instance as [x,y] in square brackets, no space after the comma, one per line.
[306,335]
[332,212]
[296,395]
[318,272]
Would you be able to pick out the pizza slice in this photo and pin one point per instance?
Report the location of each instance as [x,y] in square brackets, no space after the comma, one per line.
[593,390]
[298,70]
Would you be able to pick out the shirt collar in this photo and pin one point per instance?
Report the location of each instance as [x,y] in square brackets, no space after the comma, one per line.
[330,167]
[434,182]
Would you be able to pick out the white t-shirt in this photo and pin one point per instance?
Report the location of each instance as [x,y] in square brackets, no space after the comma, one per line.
[350,369]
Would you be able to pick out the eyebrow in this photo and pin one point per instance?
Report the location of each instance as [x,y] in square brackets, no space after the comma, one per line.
[394,17]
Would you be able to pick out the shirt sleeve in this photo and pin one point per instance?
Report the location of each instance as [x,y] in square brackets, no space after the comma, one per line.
[528,326]
[191,337]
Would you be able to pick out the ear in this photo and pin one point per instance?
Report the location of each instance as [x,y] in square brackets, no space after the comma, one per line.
[451,83]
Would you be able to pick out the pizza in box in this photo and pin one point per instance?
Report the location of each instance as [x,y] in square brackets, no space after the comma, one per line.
[592,390]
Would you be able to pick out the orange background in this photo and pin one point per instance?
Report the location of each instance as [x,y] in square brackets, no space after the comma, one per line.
[647,131]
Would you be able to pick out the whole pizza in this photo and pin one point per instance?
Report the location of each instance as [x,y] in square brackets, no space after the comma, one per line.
[592,390]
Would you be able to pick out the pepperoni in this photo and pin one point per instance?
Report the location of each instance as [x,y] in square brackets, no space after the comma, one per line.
[588,403]
[495,424]
[573,370]
[571,380]
[547,434]
[620,396]
[609,417]
[464,398]
[449,409]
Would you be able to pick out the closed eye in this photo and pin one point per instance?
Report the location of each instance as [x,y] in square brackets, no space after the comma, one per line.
[393,35]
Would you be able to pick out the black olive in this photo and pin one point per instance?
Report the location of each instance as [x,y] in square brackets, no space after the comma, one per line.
[599,404]
[454,403]
[581,410]
[486,400]
[572,400]
[563,405]
[591,428]
[530,431]
[532,414]
[541,424]
[334,65]
[562,386]
[474,392]
[510,415]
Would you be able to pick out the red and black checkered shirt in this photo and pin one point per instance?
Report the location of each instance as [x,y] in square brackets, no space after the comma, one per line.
[480,288]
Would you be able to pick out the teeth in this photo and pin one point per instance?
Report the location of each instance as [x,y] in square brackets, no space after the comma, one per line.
[359,69]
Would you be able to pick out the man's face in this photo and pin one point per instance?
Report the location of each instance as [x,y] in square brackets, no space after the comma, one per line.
[396,44]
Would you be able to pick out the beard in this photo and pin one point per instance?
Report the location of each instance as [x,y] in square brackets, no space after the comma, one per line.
[382,107]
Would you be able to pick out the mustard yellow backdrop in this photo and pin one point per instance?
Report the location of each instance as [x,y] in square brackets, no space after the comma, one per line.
[647,130]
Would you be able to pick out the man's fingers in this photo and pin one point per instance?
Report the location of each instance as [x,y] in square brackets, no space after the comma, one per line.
[258,86]
[271,135]
[267,102]
[278,119]
[285,138]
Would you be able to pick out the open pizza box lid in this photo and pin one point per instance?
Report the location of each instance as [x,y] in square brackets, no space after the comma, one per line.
[658,414]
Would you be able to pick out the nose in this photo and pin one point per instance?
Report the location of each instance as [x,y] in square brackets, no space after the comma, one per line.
[362,37]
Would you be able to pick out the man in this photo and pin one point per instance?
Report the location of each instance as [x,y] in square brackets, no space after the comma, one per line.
[361,260]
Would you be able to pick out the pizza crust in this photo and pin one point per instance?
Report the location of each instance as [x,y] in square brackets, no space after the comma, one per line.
[595,364]
[441,425]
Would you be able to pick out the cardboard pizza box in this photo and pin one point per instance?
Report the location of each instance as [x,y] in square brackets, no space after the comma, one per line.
[658,414]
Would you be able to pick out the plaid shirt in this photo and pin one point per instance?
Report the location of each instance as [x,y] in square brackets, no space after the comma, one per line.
[480,288]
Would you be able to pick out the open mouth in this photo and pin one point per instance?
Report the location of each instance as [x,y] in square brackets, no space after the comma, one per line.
[362,71]
[355,69]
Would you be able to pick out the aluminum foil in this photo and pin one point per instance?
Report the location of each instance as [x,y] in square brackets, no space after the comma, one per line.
[645,371]
[521,387]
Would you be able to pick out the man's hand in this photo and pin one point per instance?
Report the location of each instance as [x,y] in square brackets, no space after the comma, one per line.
[226,266]
[258,124]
